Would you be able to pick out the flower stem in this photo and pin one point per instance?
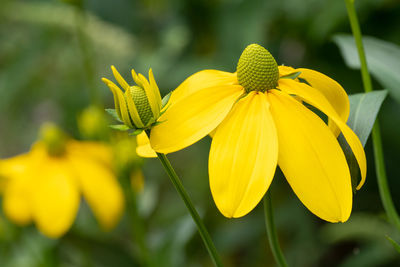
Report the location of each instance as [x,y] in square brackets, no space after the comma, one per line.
[271,231]
[135,221]
[196,218]
[376,133]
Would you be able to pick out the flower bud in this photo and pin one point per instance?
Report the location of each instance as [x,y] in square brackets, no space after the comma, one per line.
[139,107]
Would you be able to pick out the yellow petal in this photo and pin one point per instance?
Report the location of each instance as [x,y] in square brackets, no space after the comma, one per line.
[55,200]
[154,87]
[100,189]
[143,147]
[318,100]
[332,91]
[151,96]
[95,150]
[285,70]
[119,79]
[133,110]
[243,156]
[200,80]
[311,159]
[187,121]
[16,200]
[120,102]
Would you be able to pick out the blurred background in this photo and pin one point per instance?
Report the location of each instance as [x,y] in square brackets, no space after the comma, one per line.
[52,57]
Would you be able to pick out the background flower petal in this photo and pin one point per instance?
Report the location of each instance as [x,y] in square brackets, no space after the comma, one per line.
[311,159]
[243,156]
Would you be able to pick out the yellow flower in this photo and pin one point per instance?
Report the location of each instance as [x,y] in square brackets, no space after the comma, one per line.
[44,185]
[258,121]
[140,106]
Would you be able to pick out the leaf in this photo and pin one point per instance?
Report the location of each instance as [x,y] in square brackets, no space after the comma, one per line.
[364,108]
[136,132]
[113,114]
[292,75]
[119,127]
[383,59]
[394,243]
[165,99]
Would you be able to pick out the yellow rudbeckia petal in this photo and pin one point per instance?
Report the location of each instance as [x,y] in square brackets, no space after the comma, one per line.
[143,147]
[133,110]
[311,159]
[151,96]
[285,70]
[56,199]
[200,80]
[187,121]
[100,189]
[16,200]
[243,156]
[95,150]
[332,90]
[119,78]
[119,101]
[155,89]
[318,100]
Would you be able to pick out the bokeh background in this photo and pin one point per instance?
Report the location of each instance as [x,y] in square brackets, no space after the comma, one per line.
[52,56]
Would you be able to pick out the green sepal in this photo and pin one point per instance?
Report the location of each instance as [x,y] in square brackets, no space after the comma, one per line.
[119,127]
[113,114]
[165,100]
[292,75]
[136,132]
[394,243]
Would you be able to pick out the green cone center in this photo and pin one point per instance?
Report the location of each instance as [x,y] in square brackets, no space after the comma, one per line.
[257,69]
[142,103]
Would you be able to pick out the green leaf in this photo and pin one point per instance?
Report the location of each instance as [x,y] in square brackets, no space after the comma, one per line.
[292,76]
[136,132]
[165,99]
[119,127]
[394,243]
[383,59]
[113,114]
[364,108]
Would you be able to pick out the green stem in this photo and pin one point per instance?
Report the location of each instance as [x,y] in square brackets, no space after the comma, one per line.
[196,218]
[135,221]
[376,133]
[271,231]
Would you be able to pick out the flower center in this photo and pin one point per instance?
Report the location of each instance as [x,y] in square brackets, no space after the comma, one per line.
[53,138]
[257,69]
[142,103]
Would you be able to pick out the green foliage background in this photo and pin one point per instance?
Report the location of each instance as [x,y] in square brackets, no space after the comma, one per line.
[46,75]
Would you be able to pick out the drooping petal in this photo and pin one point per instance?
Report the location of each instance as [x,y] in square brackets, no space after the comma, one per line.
[119,78]
[187,121]
[143,147]
[311,159]
[318,100]
[100,189]
[55,200]
[332,91]
[285,70]
[200,80]
[119,101]
[243,156]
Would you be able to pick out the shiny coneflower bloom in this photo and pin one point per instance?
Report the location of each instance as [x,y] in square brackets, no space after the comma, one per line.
[258,120]
[45,185]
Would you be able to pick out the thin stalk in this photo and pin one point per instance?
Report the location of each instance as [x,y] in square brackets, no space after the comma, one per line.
[384,191]
[189,205]
[271,231]
[135,221]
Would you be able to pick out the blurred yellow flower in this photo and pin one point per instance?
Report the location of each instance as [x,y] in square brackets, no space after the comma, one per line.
[258,121]
[45,184]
